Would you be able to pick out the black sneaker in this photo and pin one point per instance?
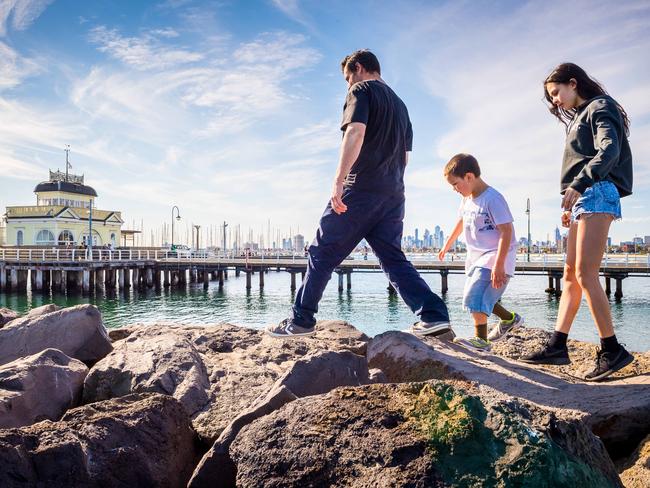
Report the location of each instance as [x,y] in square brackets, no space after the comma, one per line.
[548,355]
[288,328]
[608,363]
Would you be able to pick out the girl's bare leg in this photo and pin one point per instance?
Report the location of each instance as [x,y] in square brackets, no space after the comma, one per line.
[590,247]
[572,292]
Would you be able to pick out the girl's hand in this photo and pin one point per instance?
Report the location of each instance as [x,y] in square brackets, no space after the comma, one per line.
[570,198]
[566,218]
[441,254]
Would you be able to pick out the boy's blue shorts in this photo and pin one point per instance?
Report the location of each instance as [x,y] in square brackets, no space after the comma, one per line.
[602,197]
[479,295]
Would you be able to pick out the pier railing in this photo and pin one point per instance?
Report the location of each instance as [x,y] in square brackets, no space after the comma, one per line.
[31,255]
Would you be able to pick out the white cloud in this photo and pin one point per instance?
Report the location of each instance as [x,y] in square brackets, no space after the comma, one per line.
[23,12]
[490,80]
[13,67]
[291,8]
[145,52]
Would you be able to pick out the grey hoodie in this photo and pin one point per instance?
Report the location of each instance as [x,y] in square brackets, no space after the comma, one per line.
[597,148]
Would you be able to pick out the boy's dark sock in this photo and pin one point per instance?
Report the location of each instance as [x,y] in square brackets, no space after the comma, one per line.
[609,344]
[558,340]
[481,331]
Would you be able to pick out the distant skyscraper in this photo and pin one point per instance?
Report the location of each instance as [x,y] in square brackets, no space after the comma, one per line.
[298,242]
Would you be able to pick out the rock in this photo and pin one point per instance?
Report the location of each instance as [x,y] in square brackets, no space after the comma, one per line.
[242,364]
[138,440]
[216,469]
[420,435]
[320,372]
[403,357]
[617,411]
[39,387]
[76,331]
[162,362]
[42,310]
[635,473]
[120,333]
[6,316]
[376,375]
[315,374]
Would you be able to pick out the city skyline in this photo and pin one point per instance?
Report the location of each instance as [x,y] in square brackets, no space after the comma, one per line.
[231,110]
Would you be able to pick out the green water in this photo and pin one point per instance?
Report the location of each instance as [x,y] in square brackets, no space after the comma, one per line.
[368,305]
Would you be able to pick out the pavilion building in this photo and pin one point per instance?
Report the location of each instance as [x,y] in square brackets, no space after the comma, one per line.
[62,216]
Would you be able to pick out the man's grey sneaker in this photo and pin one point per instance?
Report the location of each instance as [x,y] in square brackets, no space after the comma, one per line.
[430,328]
[548,355]
[473,343]
[499,331]
[608,363]
[287,328]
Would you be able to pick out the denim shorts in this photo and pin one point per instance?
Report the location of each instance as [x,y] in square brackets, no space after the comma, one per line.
[479,295]
[602,197]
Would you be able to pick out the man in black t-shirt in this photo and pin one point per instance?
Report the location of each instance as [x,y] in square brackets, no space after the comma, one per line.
[367,202]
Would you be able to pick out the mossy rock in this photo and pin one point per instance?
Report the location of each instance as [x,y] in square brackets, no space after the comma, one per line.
[473,446]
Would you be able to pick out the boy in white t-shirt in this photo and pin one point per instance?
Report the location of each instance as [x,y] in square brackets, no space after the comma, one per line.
[486,223]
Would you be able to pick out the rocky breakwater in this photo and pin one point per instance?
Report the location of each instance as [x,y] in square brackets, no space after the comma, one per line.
[221,405]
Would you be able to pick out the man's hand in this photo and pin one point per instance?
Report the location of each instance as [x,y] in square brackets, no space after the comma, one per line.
[570,198]
[499,277]
[566,218]
[337,198]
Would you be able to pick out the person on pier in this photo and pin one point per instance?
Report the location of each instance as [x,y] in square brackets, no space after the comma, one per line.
[596,173]
[367,201]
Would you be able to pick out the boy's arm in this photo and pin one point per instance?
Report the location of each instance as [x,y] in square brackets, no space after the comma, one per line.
[451,239]
[499,270]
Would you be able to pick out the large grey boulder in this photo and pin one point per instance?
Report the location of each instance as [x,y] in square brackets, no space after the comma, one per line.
[164,362]
[223,369]
[420,435]
[315,374]
[39,387]
[138,440]
[404,357]
[618,411]
[76,331]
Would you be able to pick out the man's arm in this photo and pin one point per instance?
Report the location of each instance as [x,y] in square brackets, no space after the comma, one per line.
[350,149]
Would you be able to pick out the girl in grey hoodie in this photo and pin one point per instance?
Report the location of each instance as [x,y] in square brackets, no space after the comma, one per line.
[596,173]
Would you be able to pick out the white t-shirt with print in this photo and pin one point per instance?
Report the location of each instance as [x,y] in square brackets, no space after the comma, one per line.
[481,215]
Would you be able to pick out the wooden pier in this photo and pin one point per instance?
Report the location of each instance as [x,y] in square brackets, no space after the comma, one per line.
[62,269]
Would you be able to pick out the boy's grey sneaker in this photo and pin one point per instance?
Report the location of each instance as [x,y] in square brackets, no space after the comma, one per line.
[430,328]
[608,363]
[499,331]
[288,328]
[474,343]
[548,355]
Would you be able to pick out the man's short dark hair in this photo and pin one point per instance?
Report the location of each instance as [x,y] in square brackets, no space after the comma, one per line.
[461,164]
[363,57]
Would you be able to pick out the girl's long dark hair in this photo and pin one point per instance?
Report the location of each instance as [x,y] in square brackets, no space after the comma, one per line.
[587,88]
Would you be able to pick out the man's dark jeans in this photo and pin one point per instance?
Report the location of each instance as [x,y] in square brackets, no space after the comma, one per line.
[379,219]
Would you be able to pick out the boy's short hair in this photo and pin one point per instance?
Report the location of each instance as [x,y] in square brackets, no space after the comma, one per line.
[461,164]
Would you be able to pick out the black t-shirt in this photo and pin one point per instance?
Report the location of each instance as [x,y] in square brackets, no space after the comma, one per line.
[381,162]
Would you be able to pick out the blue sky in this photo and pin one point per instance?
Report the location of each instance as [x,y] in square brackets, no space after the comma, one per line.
[230,109]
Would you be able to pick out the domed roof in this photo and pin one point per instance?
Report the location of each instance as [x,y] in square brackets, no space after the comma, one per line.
[66,186]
